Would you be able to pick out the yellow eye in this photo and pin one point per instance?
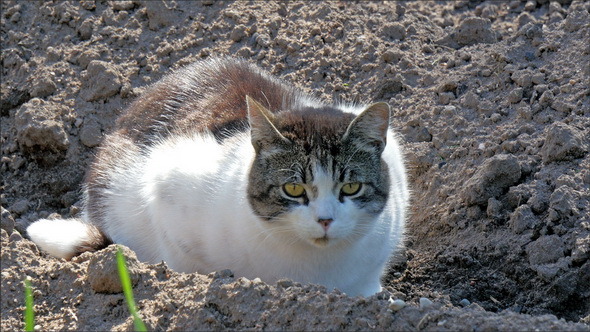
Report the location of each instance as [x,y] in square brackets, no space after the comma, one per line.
[293,190]
[350,189]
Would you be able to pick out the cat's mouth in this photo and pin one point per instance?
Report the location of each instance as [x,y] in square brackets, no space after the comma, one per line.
[321,241]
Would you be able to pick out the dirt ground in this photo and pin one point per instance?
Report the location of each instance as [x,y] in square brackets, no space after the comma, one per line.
[492,99]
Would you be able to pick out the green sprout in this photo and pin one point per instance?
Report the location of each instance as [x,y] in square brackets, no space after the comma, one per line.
[128,291]
[29,310]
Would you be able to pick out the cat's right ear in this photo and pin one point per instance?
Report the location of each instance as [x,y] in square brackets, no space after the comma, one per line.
[263,132]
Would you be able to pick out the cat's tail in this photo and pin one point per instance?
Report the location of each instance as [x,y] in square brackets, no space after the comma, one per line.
[66,238]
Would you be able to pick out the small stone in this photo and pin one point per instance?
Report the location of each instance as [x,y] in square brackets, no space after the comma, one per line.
[160,14]
[86,28]
[122,5]
[391,56]
[522,219]
[524,18]
[397,305]
[445,97]
[470,100]
[244,282]
[102,80]
[576,20]
[103,273]
[394,31]
[493,177]
[90,133]
[20,206]
[515,96]
[425,303]
[470,31]
[581,250]
[464,302]
[546,98]
[15,236]
[43,86]
[562,143]
[38,126]
[494,209]
[7,221]
[563,201]
[546,249]
[285,283]
[486,107]
[238,33]
[227,273]
[523,78]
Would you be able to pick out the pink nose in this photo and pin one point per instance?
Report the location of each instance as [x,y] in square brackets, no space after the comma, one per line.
[325,223]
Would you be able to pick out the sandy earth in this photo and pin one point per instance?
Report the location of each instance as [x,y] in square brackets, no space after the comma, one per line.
[491,98]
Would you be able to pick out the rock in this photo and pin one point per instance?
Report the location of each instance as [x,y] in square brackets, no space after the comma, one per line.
[102,80]
[562,201]
[471,31]
[238,33]
[470,100]
[550,271]
[515,95]
[522,219]
[85,29]
[576,20]
[159,14]
[546,249]
[389,88]
[425,303]
[103,274]
[394,31]
[492,178]
[6,221]
[285,283]
[523,78]
[43,87]
[90,133]
[416,134]
[38,126]
[494,209]
[15,236]
[391,56]
[20,206]
[464,302]
[227,273]
[581,250]
[397,305]
[562,143]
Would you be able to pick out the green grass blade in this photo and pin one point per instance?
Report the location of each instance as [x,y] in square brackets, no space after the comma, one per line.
[128,291]
[29,310]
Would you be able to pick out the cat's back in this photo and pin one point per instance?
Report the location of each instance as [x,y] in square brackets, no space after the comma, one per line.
[208,95]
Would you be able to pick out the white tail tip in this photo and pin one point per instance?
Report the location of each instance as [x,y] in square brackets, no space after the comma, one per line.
[61,237]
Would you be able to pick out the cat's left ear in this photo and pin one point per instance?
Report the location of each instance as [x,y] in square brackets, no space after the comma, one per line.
[369,129]
[263,131]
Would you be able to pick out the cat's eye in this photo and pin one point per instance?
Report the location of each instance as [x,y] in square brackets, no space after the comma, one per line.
[351,188]
[293,190]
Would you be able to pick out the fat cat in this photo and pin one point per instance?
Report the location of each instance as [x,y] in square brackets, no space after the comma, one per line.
[220,165]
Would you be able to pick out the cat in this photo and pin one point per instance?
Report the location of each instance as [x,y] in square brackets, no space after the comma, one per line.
[220,165]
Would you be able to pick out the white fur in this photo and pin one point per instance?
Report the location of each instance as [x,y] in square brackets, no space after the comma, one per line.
[185,203]
[191,211]
[59,237]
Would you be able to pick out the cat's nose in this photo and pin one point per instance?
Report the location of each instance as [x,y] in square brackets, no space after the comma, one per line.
[325,222]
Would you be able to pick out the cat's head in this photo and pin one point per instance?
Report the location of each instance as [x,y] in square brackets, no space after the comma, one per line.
[318,176]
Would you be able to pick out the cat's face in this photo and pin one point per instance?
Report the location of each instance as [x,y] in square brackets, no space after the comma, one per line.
[318,176]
